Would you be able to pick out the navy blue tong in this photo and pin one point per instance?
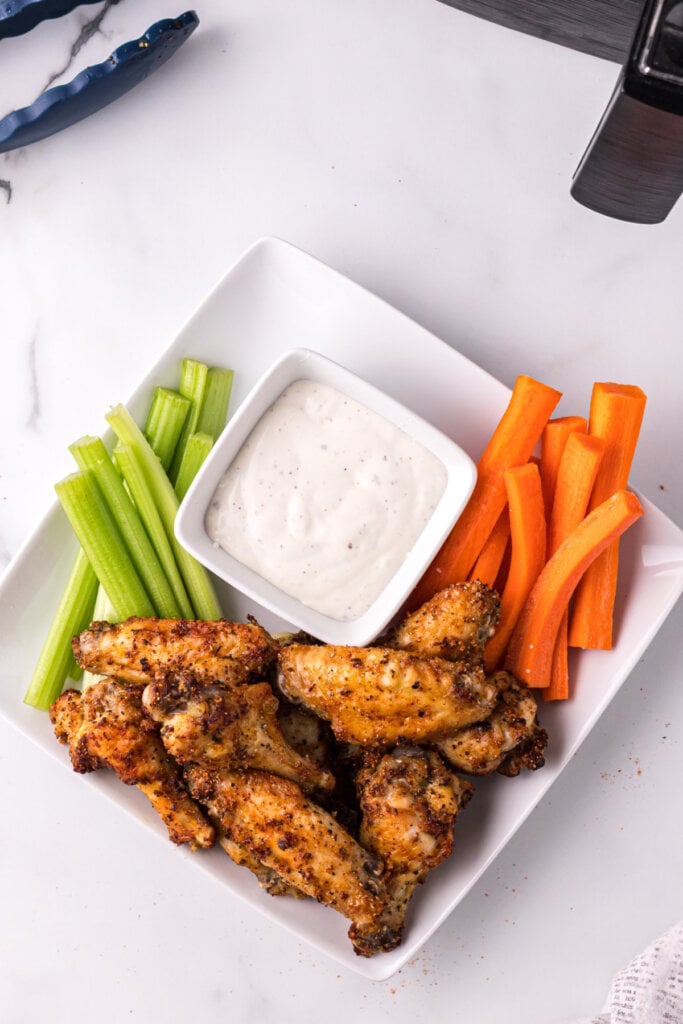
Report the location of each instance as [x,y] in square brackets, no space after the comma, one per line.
[96,86]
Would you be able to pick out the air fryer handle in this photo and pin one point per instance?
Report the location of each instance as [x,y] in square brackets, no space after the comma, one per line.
[633,166]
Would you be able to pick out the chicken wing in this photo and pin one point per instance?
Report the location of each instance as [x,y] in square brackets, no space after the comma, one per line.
[220,726]
[376,696]
[409,801]
[304,731]
[454,624]
[140,649]
[271,818]
[483,747]
[529,754]
[458,620]
[267,878]
[105,727]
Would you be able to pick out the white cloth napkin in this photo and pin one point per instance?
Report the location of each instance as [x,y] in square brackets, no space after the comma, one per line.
[650,989]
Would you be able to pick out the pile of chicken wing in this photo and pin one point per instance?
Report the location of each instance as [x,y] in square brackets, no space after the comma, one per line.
[328,772]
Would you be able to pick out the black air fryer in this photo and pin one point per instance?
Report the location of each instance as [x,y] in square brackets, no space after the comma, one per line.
[633,166]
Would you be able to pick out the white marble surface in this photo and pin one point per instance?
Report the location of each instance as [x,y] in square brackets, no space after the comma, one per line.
[427,155]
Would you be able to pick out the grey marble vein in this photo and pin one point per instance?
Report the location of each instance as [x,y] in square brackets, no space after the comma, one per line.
[89,29]
[6,187]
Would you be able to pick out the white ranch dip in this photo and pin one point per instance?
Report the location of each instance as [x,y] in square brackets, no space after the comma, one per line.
[325,499]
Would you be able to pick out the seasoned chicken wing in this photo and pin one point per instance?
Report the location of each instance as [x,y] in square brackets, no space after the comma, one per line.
[483,747]
[409,801]
[220,726]
[458,620]
[304,845]
[454,624]
[267,878]
[139,649]
[376,696]
[304,731]
[529,754]
[105,727]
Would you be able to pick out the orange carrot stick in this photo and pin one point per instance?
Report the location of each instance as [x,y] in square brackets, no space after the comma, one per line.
[554,438]
[511,444]
[616,414]
[574,485]
[487,566]
[558,687]
[527,532]
[530,651]
[502,576]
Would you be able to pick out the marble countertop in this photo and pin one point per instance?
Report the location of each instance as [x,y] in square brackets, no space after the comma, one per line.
[427,155]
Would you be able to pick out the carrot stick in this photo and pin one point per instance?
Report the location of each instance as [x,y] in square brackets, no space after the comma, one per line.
[528,535]
[487,566]
[616,414]
[511,444]
[554,438]
[575,481]
[530,651]
[558,687]
[502,576]
[575,478]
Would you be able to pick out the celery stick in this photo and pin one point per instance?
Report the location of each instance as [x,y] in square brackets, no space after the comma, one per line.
[101,539]
[192,385]
[165,421]
[90,453]
[75,672]
[213,413]
[102,612]
[74,608]
[145,502]
[196,578]
[197,448]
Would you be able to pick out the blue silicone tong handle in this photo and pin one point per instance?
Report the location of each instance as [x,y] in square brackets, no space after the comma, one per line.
[19,16]
[96,86]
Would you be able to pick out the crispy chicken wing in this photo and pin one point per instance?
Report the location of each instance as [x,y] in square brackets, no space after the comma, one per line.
[409,801]
[304,731]
[220,726]
[105,727]
[529,754]
[140,649]
[376,696]
[304,845]
[267,878]
[483,747]
[458,620]
[454,624]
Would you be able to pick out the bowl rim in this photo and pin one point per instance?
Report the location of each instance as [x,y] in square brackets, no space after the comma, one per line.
[305,363]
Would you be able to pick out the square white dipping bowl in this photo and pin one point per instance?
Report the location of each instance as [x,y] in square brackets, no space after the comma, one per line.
[304,364]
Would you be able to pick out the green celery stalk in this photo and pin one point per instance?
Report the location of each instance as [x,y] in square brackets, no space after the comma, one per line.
[213,413]
[91,453]
[100,537]
[74,609]
[192,385]
[102,612]
[133,473]
[165,420]
[196,578]
[197,448]
[74,672]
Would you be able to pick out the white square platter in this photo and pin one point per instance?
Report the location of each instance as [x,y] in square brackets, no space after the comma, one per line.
[274,298]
